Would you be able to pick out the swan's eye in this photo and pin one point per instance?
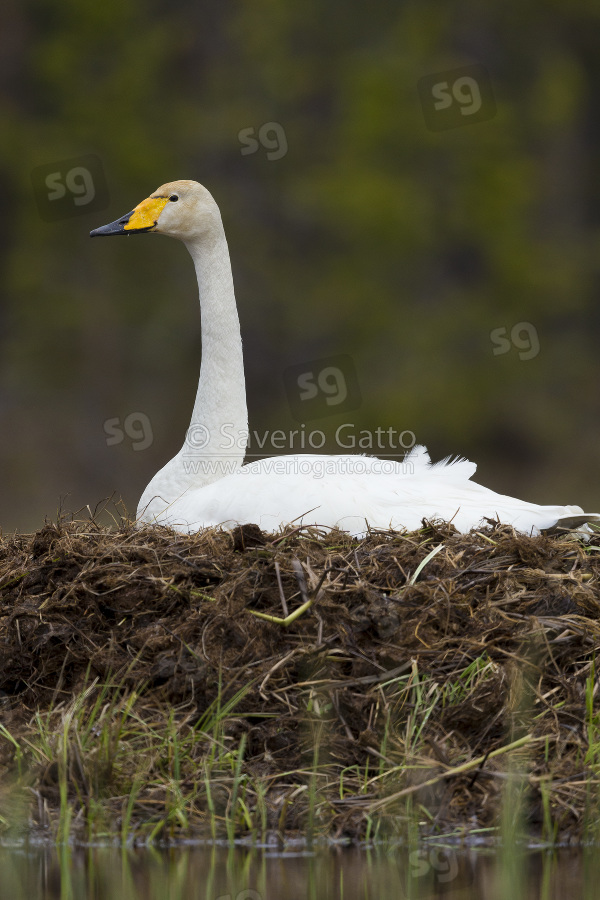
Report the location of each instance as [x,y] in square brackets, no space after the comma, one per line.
[173,197]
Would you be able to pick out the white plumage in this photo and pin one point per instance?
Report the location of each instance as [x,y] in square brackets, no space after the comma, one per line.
[206,483]
[353,494]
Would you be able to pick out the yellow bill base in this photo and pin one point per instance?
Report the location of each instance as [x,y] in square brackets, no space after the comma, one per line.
[146,213]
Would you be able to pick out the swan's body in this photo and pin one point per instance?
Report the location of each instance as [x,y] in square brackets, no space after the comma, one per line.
[347,491]
[206,483]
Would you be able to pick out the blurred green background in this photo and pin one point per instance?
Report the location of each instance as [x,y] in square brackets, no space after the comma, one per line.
[375,234]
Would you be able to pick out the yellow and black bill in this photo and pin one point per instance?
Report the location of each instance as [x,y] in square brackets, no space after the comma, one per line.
[141,219]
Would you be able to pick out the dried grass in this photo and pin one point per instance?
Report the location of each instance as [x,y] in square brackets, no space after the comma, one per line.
[397,693]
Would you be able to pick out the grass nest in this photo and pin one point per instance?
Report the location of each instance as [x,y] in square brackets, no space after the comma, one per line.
[156,685]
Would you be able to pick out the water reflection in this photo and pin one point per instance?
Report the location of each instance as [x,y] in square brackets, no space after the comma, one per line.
[261,874]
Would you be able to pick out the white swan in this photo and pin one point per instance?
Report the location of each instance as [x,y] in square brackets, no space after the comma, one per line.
[206,483]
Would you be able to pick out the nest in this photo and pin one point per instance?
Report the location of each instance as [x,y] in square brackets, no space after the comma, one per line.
[386,656]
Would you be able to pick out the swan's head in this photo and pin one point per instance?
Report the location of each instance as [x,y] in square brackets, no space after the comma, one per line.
[181,209]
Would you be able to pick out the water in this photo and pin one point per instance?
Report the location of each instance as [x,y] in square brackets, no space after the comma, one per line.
[261,874]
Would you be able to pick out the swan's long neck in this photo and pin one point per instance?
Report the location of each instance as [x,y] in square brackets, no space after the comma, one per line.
[215,442]
[216,438]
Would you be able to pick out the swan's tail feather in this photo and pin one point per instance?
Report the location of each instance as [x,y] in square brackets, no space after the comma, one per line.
[453,469]
[418,457]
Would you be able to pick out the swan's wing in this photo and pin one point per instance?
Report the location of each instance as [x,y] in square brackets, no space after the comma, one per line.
[356,493]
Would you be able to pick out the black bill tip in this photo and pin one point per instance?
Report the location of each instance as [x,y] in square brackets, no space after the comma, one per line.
[116,227]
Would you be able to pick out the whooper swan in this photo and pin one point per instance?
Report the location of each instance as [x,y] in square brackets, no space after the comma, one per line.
[206,483]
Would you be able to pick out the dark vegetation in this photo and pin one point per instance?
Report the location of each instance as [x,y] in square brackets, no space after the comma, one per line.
[145,693]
